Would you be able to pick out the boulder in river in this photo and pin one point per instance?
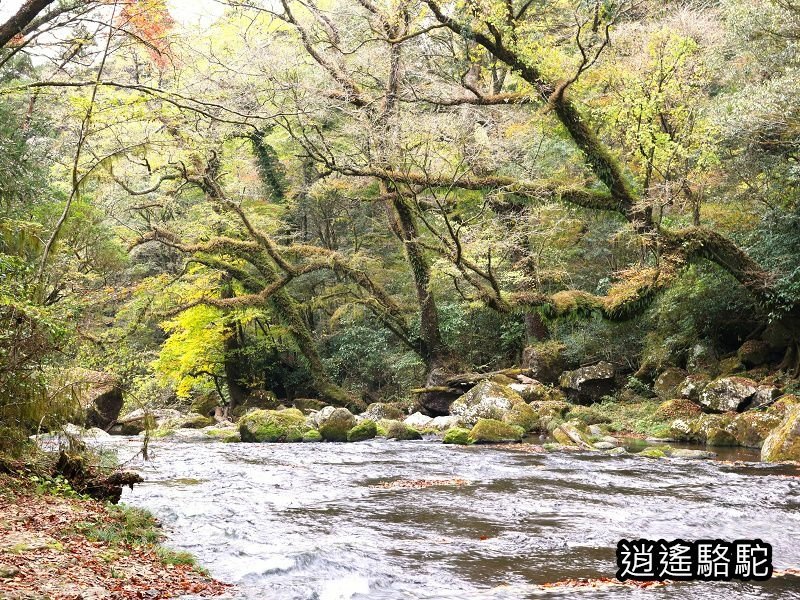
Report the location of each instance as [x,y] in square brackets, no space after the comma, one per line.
[692,454]
[693,386]
[334,424]
[587,385]
[545,361]
[784,441]
[457,435]
[383,410]
[492,431]
[569,434]
[522,415]
[537,392]
[728,394]
[417,420]
[443,423]
[487,400]
[397,430]
[140,419]
[261,425]
[365,430]
[751,427]
[99,397]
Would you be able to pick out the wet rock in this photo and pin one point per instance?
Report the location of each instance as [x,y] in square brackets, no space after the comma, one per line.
[457,435]
[610,440]
[365,430]
[261,425]
[616,451]
[487,400]
[595,430]
[334,424]
[652,453]
[492,431]
[728,394]
[383,410]
[417,420]
[784,441]
[99,396]
[693,386]
[751,428]
[397,430]
[754,353]
[668,383]
[718,435]
[675,409]
[569,434]
[545,361]
[551,413]
[692,454]
[604,445]
[92,433]
[190,421]
[312,435]
[587,385]
[225,433]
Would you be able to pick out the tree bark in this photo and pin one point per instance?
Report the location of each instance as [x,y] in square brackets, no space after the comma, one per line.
[17,23]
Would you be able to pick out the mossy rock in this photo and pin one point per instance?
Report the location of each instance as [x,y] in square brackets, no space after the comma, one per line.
[751,428]
[717,436]
[205,404]
[221,432]
[492,431]
[545,360]
[675,409]
[457,435]
[260,425]
[652,453]
[570,434]
[337,424]
[668,383]
[523,415]
[190,421]
[306,405]
[486,400]
[730,366]
[502,379]
[754,353]
[161,432]
[383,410]
[366,430]
[586,415]
[784,441]
[397,430]
[312,435]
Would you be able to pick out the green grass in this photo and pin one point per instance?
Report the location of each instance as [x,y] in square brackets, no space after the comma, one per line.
[125,525]
[633,417]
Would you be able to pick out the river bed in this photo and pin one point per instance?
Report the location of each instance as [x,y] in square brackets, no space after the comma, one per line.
[326,522]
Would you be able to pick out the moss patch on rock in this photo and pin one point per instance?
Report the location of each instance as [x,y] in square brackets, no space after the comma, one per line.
[336,425]
[397,430]
[784,441]
[492,431]
[366,430]
[260,425]
[457,435]
[312,435]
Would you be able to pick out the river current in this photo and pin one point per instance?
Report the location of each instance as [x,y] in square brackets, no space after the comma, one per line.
[346,521]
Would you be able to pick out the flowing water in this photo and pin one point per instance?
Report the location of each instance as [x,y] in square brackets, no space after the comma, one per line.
[317,521]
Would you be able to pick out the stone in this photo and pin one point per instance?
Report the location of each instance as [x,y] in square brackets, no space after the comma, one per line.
[8,571]
[190,421]
[595,430]
[765,395]
[587,385]
[307,405]
[545,361]
[537,392]
[335,424]
[417,420]
[610,440]
[140,419]
[604,445]
[586,415]
[523,416]
[652,453]
[397,430]
[668,383]
[365,430]
[99,397]
[751,428]
[312,435]
[702,358]
[784,441]
[693,386]
[205,404]
[675,409]
[754,353]
[443,423]
[457,435]
[259,425]
[487,400]
[569,434]
[383,410]
[728,394]
[730,366]
[492,431]
[616,451]
[692,454]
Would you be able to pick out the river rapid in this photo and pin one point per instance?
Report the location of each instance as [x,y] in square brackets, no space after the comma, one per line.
[326,521]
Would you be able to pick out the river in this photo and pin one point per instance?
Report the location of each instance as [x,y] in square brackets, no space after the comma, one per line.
[329,522]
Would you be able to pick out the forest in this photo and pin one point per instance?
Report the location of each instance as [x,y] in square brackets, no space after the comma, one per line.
[570,225]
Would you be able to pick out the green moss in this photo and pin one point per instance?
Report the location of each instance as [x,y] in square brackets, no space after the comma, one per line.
[652,453]
[161,432]
[312,435]
[395,430]
[491,431]
[587,415]
[273,426]
[523,415]
[337,425]
[366,430]
[457,435]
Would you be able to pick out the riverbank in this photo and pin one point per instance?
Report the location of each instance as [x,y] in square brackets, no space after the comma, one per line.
[57,544]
